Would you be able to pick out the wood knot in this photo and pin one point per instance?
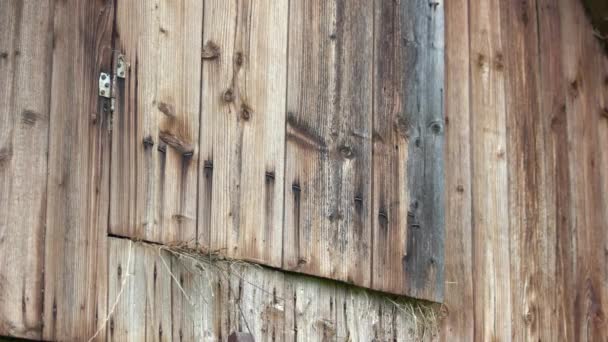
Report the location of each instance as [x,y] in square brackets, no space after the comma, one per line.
[435,127]
[573,88]
[228,95]
[460,188]
[499,62]
[604,112]
[4,55]
[346,152]
[481,60]
[167,109]
[210,50]
[246,112]
[238,59]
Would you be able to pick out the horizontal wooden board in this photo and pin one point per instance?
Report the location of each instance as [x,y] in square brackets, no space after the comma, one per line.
[156,288]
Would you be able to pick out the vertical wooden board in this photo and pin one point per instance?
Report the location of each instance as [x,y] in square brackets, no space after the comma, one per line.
[310,313]
[422,35]
[491,264]
[329,126]
[532,258]
[193,300]
[602,88]
[141,302]
[557,187]
[156,122]
[359,316]
[78,173]
[579,50]
[459,298]
[25,78]
[242,129]
[390,152]
[257,304]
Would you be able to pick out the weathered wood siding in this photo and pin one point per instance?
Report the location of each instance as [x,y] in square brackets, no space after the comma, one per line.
[527,205]
[526,178]
[171,297]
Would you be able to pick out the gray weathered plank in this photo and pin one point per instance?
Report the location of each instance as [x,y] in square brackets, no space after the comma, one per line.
[242,125]
[329,126]
[156,122]
[139,292]
[78,177]
[25,76]
[422,36]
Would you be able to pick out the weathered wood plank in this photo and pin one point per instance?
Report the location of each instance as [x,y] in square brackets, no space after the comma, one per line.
[532,258]
[78,178]
[583,77]
[491,264]
[26,37]
[422,35]
[242,128]
[329,125]
[459,298]
[139,291]
[156,123]
[390,152]
[557,187]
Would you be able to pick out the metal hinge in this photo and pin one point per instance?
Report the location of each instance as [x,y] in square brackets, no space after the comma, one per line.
[106,80]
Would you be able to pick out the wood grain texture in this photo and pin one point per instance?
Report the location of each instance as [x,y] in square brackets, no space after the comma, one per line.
[143,311]
[390,151]
[532,258]
[557,190]
[242,129]
[582,74]
[459,320]
[490,187]
[156,122]
[423,38]
[78,173]
[25,78]
[329,126]
[214,298]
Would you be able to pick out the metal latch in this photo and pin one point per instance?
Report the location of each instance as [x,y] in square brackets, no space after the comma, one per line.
[104,85]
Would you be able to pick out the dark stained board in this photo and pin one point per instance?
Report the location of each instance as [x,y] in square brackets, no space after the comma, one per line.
[75,258]
[155,125]
[25,77]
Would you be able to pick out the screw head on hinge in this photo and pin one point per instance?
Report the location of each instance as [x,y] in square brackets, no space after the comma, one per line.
[104,85]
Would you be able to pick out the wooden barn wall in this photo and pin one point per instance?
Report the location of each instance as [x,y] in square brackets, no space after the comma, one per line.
[526,178]
[527,173]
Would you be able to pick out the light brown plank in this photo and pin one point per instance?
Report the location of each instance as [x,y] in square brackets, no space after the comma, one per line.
[459,297]
[78,177]
[491,264]
[531,242]
[242,129]
[25,78]
[156,123]
[329,126]
[581,73]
